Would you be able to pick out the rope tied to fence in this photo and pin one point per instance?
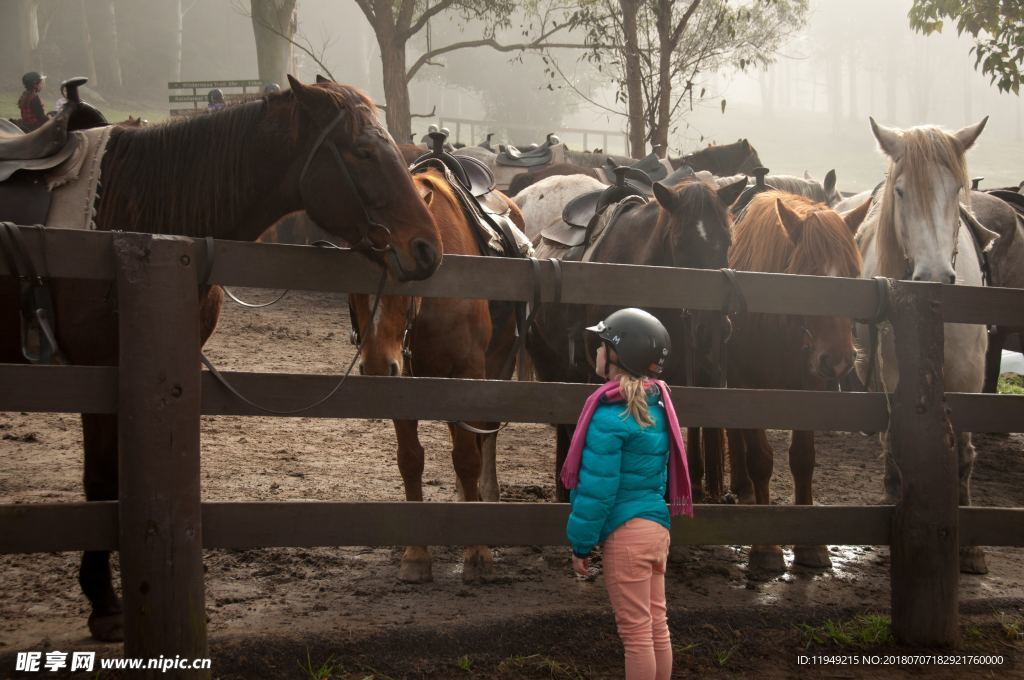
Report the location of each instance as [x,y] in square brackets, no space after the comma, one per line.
[883,287]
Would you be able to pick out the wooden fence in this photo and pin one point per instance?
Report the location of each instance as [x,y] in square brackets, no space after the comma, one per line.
[250,89]
[471,132]
[159,391]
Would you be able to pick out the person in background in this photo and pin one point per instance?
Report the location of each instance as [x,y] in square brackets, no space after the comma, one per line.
[271,88]
[215,100]
[626,452]
[33,114]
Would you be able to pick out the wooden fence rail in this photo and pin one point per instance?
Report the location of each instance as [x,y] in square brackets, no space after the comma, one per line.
[159,393]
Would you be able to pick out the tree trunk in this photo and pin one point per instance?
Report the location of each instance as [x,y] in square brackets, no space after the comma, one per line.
[634,89]
[666,51]
[90,57]
[396,87]
[102,29]
[273,52]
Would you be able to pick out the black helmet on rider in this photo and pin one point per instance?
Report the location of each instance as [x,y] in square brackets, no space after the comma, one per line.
[31,79]
[215,96]
[640,341]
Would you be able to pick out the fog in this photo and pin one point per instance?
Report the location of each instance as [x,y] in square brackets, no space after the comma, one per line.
[807,111]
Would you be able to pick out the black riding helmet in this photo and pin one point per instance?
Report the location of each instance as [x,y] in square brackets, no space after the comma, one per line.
[31,79]
[638,338]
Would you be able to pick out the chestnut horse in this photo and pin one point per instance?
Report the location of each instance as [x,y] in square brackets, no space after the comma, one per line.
[687,225]
[787,234]
[442,338]
[230,175]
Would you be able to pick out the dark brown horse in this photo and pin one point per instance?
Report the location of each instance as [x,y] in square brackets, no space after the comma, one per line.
[738,158]
[230,174]
[685,226]
[787,234]
[443,338]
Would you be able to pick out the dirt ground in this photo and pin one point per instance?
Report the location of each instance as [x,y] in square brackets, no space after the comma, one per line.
[341,612]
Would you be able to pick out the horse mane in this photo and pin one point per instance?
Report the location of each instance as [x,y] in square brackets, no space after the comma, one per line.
[761,243]
[922,148]
[199,174]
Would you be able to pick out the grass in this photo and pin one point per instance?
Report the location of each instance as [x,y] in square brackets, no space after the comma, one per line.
[322,672]
[863,631]
[538,662]
[1011,625]
[9,108]
[1010,383]
[464,663]
[722,656]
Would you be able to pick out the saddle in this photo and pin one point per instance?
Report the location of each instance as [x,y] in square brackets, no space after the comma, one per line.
[49,145]
[540,155]
[472,174]
[652,165]
[579,213]
[748,194]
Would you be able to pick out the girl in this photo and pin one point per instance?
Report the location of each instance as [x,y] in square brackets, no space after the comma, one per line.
[626,449]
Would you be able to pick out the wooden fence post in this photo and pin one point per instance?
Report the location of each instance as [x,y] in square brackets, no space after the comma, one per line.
[925,562]
[158,439]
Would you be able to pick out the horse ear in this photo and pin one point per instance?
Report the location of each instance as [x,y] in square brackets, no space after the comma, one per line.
[304,94]
[853,218]
[807,175]
[890,140]
[830,181]
[320,79]
[665,196]
[791,222]
[966,137]
[730,192]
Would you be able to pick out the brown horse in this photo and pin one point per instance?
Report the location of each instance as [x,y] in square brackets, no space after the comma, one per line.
[787,234]
[738,158]
[230,175]
[685,226]
[444,338]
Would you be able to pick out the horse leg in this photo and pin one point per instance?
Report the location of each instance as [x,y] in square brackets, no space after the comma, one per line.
[713,449]
[801,464]
[99,433]
[972,558]
[739,478]
[695,461]
[563,437]
[764,559]
[993,357]
[416,564]
[477,563]
[489,490]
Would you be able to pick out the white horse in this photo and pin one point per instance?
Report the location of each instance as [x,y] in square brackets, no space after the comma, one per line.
[913,230]
[541,203]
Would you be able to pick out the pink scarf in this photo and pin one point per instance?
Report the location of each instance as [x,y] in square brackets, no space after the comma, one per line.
[680,498]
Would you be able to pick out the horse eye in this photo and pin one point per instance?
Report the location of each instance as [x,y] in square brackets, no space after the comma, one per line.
[363,153]
[899,192]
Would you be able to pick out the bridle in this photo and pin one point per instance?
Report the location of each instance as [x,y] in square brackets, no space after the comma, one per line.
[365,243]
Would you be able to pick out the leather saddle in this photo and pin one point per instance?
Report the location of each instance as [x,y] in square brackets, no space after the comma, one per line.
[49,145]
[529,158]
[748,194]
[651,165]
[472,174]
[1014,198]
[579,213]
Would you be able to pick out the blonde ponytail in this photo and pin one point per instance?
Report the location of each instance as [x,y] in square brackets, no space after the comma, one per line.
[634,391]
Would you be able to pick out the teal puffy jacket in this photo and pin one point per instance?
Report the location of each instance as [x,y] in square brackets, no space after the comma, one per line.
[623,474]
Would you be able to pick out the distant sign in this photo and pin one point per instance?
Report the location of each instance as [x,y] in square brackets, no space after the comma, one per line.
[185,98]
[210,84]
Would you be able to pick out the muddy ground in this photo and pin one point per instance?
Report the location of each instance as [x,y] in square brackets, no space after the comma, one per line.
[341,612]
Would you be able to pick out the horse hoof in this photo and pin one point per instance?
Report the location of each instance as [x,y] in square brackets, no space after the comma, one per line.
[416,571]
[813,556]
[478,568]
[107,627]
[766,561]
[972,560]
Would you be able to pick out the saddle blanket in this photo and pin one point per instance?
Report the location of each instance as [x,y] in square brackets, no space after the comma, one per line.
[73,184]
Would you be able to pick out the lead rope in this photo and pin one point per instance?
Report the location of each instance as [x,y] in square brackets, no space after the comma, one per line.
[881,314]
[208,269]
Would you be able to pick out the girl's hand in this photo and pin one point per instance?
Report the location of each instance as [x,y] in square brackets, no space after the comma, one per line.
[580,565]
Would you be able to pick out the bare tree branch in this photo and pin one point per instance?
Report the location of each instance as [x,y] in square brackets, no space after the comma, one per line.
[426,16]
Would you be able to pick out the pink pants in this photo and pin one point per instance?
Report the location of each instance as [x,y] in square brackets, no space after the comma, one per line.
[634,573]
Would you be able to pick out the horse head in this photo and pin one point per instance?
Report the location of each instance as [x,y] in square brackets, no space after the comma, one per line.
[352,179]
[919,215]
[820,243]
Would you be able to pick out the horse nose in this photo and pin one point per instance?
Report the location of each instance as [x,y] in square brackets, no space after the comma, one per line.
[825,366]
[425,254]
[394,369]
[946,275]
[362,368]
